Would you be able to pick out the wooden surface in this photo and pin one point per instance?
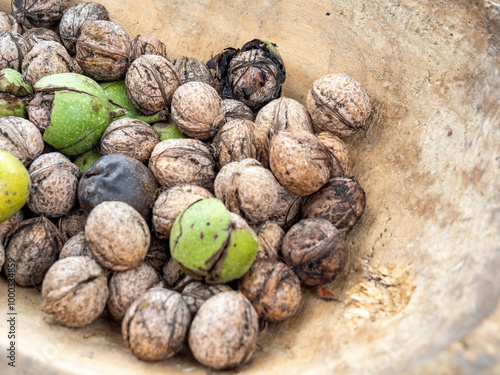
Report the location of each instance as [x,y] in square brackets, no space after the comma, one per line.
[423,268]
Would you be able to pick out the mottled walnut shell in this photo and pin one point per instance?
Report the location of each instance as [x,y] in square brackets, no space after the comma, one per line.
[147,45]
[241,139]
[20,138]
[40,110]
[156,324]
[126,286]
[14,48]
[131,137]
[40,34]
[9,23]
[341,201]
[151,82]
[75,18]
[2,253]
[174,277]
[38,13]
[72,223]
[191,69]
[270,236]
[247,189]
[338,104]
[117,235]
[183,161]
[300,162]
[225,315]
[273,289]
[316,251]
[45,59]
[236,110]
[198,110]
[54,184]
[171,202]
[288,209]
[283,114]
[34,245]
[8,225]
[341,164]
[158,253]
[74,291]
[196,293]
[103,50]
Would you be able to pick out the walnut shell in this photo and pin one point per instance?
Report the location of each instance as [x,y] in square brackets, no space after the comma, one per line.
[47,58]
[41,34]
[338,104]
[270,236]
[273,289]
[174,277]
[14,47]
[7,226]
[236,110]
[103,50]
[197,293]
[288,209]
[75,18]
[341,164]
[117,235]
[341,201]
[9,23]
[36,13]
[34,245]
[198,110]
[300,162]
[156,324]
[316,251]
[2,253]
[191,69]
[147,45]
[223,333]
[20,138]
[158,253]
[247,189]
[72,223]
[283,114]
[54,185]
[131,137]
[241,139]
[151,82]
[126,286]
[75,291]
[40,110]
[171,202]
[183,161]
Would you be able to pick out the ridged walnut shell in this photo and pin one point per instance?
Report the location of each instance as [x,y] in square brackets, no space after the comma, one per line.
[270,236]
[236,110]
[147,45]
[20,138]
[341,164]
[14,47]
[191,69]
[288,210]
[38,13]
[9,23]
[41,34]
[195,294]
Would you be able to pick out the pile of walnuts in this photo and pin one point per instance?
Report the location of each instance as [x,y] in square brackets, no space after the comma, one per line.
[95,234]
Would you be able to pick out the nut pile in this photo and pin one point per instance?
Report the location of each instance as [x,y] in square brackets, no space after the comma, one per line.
[187,200]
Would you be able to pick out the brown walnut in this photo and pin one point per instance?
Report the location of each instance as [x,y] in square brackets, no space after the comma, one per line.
[41,34]
[38,13]
[236,110]
[270,236]
[191,69]
[14,47]
[20,138]
[195,294]
[341,164]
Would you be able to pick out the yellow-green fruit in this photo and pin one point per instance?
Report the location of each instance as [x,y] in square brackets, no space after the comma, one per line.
[15,185]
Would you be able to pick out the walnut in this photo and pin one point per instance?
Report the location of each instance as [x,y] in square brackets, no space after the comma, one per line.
[9,23]
[20,138]
[223,333]
[72,223]
[236,110]
[198,110]
[54,184]
[7,226]
[270,237]
[35,246]
[41,34]
[273,289]
[74,291]
[191,69]
[36,13]
[316,251]
[2,253]
[288,209]
[158,253]
[174,277]
[196,293]
[156,324]
[147,45]
[40,110]
[341,164]
[14,47]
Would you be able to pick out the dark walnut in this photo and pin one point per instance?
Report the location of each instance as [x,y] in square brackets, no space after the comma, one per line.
[74,291]
[72,223]
[151,82]
[341,164]
[126,286]
[316,251]
[38,13]
[75,18]
[236,110]
[300,162]
[54,184]
[158,253]
[156,324]
[13,48]
[227,314]
[198,110]
[191,69]
[130,137]
[147,45]
[174,277]
[270,236]
[34,245]
[183,161]
[273,289]
[241,139]
[117,235]
[196,293]
[341,201]
[288,209]
[41,34]
[103,50]
[20,138]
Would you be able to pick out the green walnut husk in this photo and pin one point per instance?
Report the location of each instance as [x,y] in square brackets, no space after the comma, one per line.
[85,161]
[209,245]
[14,93]
[168,130]
[80,112]
[118,100]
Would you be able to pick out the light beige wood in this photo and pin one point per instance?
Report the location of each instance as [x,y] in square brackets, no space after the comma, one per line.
[423,268]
